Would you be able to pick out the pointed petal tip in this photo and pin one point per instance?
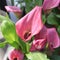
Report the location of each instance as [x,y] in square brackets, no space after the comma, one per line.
[13,9]
[53,38]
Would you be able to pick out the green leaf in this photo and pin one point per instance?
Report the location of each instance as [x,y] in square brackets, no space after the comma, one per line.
[12,1]
[30,4]
[36,56]
[38,2]
[56,11]
[58,29]
[55,57]
[2,44]
[24,46]
[15,45]
[58,15]
[56,51]
[9,31]
[52,19]
[44,18]
[2,18]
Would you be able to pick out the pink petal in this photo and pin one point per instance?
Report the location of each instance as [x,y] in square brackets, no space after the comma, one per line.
[42,34]
[38,44]
[39,40]
[13,9]
[49,4]
[33,48]
[37,21]
[59,41]
[53,38]
[16,54]
[30,24]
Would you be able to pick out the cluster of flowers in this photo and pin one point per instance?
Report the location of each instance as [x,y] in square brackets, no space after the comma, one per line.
[31,26]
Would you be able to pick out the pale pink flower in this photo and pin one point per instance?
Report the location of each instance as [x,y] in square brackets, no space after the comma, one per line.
[30,24]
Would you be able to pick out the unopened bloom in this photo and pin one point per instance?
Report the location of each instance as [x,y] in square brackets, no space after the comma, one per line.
[30,24]
[38,45]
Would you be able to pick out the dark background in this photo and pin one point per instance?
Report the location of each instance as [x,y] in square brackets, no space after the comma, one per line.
[2,4]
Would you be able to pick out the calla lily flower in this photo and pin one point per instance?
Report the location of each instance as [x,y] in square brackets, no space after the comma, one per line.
[30,24]
[49,4]
[16,55]
[39,41]
[14,9]
[52,38]
[46,35]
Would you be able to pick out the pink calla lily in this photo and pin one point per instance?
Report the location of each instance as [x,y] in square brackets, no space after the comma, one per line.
[14,9]
[45,35]
[59,41]
[39,41]
[52,38]
[49,4]
[16,55]
[30,24]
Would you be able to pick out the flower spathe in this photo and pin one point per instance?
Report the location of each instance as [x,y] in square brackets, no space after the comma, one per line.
[16,10]
[49,4]
[52,38]
[13,9]
[46,35]
[16,55]
[39,41]
[30,24]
